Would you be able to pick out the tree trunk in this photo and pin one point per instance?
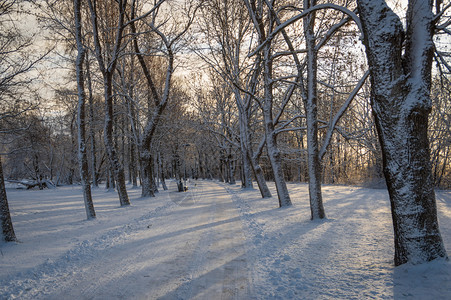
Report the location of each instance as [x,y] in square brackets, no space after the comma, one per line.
[162,175]
[178,173]
[276,165]
[132,166]
[5,217]
[81,117]
[107,66]
[401,104]
[271,139]
[118,170]
[259,177]
[134,160]
[231,167]
[208,172]
[246,170]
[221,169]
[311,108]
[157,102]
[37,171]
[148,184]
[73,153]
[257,170]
[94,173]
[244,143]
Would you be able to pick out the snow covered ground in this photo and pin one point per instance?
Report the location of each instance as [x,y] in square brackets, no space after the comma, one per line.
[215,241]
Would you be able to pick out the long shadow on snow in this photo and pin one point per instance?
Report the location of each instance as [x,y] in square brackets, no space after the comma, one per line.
[216,280]
[308,234]
[73,257]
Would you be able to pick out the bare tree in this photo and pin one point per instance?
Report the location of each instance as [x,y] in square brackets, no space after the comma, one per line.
[107,58]
[216,113]
[401,83]
[81,120]
[91,131]
[227,27]
[309,86]
[264,22]
[15,63]
[169,41]
[311,109]
[440,132]
[5,217]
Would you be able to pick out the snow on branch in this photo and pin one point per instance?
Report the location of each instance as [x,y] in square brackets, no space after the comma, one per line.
[440,57]
[331,32]
[284,125]
[288,129]
[288,53]
[441,13]
[259,151]
[296,18]
[154,8]
[340,113]
[444,26]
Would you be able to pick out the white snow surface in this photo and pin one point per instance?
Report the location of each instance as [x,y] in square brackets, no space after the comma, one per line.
[215,241]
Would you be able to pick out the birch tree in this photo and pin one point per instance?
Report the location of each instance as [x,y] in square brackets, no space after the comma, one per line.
[91,117]
[81,120]
[311,111]
[107,59]
[401,103]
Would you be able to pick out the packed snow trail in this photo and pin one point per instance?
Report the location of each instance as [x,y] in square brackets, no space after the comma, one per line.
[216,241]
[190,248]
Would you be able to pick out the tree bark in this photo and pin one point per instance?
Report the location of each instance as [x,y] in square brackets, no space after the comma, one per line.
[132,168]
[178,173]
[271,138]
[5,216]
[401,104]
[245,142]
[311,109]
[94,173]
[148,184]
[107,66]
[256,12]
[162,175]
[231,166]
[117,168]
[259,177]
[247,168]
[81,116]
[134,135]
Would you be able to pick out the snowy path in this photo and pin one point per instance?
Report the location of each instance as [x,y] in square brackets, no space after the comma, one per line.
[216,241]
[190,248]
